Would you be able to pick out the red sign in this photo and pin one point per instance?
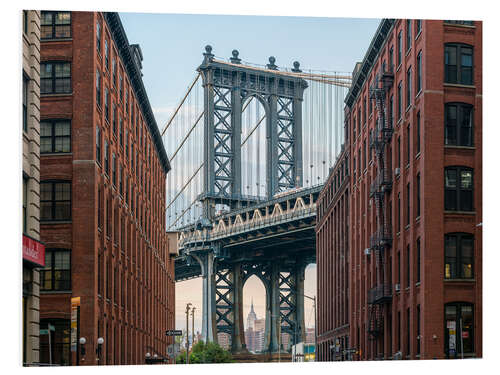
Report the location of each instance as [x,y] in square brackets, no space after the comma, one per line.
[465,334]
[33,251]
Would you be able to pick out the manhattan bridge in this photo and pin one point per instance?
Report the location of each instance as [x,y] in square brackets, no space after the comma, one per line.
[250,148]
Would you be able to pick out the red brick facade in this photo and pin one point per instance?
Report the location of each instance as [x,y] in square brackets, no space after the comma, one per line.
[332,257]
[407,320]
[120,262]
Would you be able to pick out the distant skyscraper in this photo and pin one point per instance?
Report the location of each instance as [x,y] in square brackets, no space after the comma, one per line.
[252,317]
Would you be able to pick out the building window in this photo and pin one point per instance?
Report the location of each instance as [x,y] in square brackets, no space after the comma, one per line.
[418,133]
[418,194]
[408,203]
[459,124]
[353,128]
[408,266]
[121,132]
[459,329]
[460,22]
[60,342]
[418,330]
[113,165]
[55,78]
[459,256]
[106,157]
[114,119]
[400,100]
[26,82]
[121,88]
[55,25]
[25,21]
[400,47]
[399,212]
[399,152]
[408,87]
[419,72]
[113,64]
[408,35]
[458,62]
[408,144]
[391,59]
[418,261]
[55,200]
[25,204]
[408,331]
[98,144]
[98,87]
[55,136]
[391,111]
[106,103]
[458,194]
[56,275]
[419,28]
[98,37]
[106,54]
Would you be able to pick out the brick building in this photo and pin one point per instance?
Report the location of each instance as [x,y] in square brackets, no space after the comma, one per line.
[414,131]
[332,257]
[102,196]
[33,250]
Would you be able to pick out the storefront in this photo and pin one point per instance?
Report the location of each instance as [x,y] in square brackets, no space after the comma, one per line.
[33,258]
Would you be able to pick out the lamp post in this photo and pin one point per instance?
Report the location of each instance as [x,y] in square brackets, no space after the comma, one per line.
[82,342]
[98,350]
[192,326]
[188,306]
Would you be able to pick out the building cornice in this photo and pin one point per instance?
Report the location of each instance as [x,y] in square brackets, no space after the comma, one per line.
[371,55]
[120,38]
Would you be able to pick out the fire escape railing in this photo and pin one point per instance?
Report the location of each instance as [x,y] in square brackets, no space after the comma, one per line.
[381,239]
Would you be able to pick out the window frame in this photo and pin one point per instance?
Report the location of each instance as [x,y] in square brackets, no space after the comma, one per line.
[53,79]
[459,68]
[460,110]
[54,137]
[53,25]
[98,151]
[408,35]
[98,95]
[98,37]
[52,252]
[458,264]
[418,77]
[459,305]
[26,82]
[52,200]
[458,189]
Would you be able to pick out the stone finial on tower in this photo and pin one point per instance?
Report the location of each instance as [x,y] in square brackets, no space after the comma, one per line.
[208,53]
[272,64]
[296,67]
[235,59]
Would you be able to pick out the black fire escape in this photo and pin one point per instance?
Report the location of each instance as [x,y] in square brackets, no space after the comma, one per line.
[381,295]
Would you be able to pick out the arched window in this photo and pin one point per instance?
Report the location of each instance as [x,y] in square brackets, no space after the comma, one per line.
[459,256]
[459,329]
[458,189]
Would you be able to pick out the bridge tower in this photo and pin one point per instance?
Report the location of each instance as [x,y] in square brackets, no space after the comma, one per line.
[227,86]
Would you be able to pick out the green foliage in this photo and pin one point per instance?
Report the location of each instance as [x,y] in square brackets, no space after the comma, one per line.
[206,353]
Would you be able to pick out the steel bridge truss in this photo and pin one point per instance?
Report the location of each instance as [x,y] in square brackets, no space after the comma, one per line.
[226,87]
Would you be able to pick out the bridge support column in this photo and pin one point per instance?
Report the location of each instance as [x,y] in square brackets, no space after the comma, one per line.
[208,309]
[273,317]
[299,303]
[238,340]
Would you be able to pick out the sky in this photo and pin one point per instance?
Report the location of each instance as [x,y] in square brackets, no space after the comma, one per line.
[173,46]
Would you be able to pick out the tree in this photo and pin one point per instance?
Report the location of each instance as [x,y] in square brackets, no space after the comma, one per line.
[206,353]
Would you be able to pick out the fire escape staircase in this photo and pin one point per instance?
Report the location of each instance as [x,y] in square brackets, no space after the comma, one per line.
[381,239]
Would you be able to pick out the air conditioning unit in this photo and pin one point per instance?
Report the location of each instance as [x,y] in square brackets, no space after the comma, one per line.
[397,287]
[367,251]
[397,171]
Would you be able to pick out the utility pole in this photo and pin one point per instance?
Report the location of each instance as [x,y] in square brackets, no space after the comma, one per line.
[192,327]
[187,332]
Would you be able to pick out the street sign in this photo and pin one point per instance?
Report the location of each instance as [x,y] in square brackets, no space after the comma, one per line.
[173,332]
